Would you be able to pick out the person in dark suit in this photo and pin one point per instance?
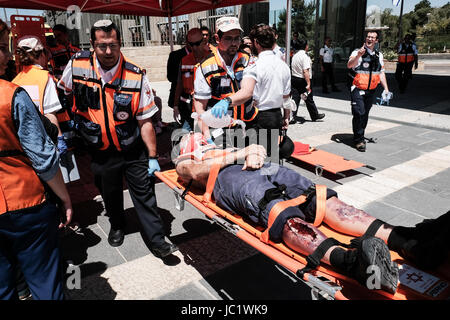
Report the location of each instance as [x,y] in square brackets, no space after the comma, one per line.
[173,66]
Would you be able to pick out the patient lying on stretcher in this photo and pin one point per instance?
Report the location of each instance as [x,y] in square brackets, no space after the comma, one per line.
[248,186]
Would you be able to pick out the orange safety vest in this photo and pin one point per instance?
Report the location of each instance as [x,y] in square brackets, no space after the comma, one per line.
[222,85]
[33,79]
[405,53]
[106,115]
[367,74]
[20,187]
[187,73]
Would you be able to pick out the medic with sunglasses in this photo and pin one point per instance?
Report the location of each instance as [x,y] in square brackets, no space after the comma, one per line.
[182,108]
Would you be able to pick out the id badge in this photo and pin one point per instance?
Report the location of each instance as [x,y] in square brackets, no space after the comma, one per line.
[362,92]
[224,82]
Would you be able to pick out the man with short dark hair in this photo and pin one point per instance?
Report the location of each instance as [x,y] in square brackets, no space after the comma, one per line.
[113,107]
[301,67]
[220,74]
[368,71]
[267,81]
[173,65]
[407,58]
[63,50]
[182,108]
[326,60]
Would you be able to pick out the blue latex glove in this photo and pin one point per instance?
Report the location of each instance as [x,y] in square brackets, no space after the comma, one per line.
[153,166]
[220,108]
[62,146]
[210,141]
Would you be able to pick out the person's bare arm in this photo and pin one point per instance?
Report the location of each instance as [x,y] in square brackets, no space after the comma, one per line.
[54,120]
[176,99]
[200,107]
[307,79]
[384,81]
[59,188]
[253,157]
[245,93]
[148,135]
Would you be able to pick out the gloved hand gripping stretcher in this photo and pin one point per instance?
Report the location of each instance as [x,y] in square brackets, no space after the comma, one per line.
[324,279]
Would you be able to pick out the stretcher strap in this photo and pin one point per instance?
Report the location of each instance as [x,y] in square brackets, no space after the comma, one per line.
[321,197]
[213,173]
[313,260]
[321,200]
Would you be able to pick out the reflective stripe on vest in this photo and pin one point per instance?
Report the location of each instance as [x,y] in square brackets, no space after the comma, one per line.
[187,73]
[20,187]
[405,54]
[106,115]
[34,80]
[368,72]
[222,85]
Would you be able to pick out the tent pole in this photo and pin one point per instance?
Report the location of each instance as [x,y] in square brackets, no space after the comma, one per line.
[170,33]
[288,31]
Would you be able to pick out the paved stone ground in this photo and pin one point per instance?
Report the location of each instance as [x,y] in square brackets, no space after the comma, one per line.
[410,183]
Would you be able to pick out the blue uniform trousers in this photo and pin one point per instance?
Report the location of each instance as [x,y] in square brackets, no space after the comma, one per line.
[29,239]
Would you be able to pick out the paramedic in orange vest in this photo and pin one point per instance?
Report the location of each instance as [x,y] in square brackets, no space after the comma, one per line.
[38,83]
[113,106]
[29,221]
[220,74]
[368,71]
[241,188]
[63,51]
[182,108]
[407,58]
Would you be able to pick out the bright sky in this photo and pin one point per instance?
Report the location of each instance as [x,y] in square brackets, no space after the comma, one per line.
[408,5]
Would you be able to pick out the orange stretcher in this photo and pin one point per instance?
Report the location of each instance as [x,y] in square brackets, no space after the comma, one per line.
[323,160]
[325,280]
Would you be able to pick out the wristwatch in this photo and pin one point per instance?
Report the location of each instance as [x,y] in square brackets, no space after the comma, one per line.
[228,99]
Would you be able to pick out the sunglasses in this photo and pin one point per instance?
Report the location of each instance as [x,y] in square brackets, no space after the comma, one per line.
[199,42]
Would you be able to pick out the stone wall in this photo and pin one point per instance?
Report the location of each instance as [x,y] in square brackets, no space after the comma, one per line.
[151,58]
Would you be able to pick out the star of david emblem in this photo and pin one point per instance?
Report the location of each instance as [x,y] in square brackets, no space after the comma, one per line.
[415,277]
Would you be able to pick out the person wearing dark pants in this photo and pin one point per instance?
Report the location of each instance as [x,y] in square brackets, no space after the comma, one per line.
[301,82]
[110,167]
[407,59]
[367,70]
[362,102]
[299,87]
[326,60]
[29,219]
[113,113]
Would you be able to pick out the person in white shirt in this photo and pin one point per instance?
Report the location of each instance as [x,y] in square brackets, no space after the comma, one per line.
[327,65]
[267,81]
[301,82]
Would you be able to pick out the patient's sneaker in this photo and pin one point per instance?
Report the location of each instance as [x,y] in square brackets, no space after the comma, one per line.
[370,263]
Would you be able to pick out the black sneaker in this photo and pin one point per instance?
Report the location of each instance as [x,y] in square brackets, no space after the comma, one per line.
[361,146]
[371,265]
[318,117]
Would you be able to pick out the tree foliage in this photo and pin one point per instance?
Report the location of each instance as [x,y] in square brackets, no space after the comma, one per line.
[302,20]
